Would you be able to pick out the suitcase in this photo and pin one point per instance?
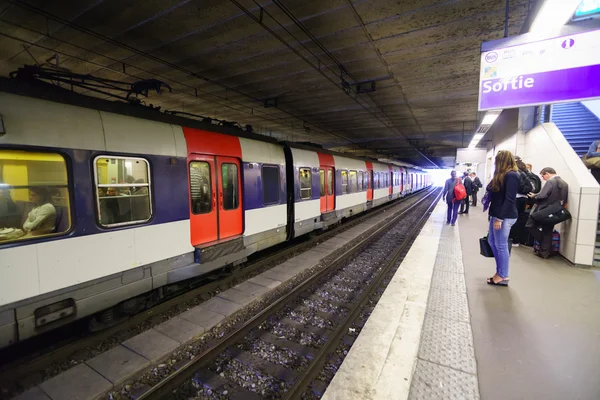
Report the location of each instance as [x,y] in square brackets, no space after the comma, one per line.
[555,243]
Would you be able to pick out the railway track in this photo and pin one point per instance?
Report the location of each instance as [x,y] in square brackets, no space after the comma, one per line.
[281,351]
[46,357]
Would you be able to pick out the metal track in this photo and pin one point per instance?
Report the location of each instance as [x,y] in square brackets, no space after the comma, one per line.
[13,371]
[182,375]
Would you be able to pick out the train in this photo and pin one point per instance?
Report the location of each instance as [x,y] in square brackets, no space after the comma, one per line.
[107,208]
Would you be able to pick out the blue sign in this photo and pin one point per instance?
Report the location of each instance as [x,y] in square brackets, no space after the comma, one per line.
[587,9]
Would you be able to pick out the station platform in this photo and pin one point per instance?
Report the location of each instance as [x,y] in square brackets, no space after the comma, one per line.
[440,332]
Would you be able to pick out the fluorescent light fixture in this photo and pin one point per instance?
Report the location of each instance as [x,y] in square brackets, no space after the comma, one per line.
[487,122]
[489,118]
[553,15]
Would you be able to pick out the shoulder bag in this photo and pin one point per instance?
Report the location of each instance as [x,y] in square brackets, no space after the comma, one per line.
[553,214]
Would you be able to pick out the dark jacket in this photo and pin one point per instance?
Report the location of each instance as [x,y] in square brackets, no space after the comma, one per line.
[449,190]
[476,184]
[504,202]
[554,191]
[468,183]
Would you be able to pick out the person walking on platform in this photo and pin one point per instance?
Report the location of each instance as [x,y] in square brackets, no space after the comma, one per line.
[448,195]
[503,213]
[476,186]
[556,190]
[468,184]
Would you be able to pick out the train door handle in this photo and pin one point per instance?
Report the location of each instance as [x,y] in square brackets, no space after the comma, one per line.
[221,200]
[214,201]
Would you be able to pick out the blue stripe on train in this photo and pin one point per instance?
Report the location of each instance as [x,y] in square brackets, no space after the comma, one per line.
[315,181]
[253,186]
[169,187]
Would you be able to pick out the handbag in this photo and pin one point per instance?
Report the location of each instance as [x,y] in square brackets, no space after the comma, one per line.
[486,250]
[486,200]
[551,215]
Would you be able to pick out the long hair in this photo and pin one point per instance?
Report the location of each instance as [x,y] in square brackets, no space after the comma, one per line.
[505,162]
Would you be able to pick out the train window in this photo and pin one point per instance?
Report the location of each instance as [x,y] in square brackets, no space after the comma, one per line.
[329,182]
[360,180]
[270,184]
[200,187]
[352,182]
[123,190]
[322,180]
[34,195]
[305,184]
[344,182]
[229,179]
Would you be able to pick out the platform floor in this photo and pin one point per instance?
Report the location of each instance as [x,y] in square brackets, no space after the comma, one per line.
[539,338]
[440,332]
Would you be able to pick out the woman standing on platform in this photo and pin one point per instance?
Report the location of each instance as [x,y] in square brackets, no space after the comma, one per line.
[503,213]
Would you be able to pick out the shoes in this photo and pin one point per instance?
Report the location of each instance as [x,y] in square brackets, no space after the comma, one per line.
[515,244]
[453,224]
[503,282]
[461,212]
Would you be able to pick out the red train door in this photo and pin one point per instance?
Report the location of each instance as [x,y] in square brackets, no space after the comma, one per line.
[203,199]
[370,180]
[327,186]
[230,197]
[391,174]
[401,181]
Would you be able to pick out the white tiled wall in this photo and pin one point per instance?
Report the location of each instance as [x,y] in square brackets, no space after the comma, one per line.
[545,146]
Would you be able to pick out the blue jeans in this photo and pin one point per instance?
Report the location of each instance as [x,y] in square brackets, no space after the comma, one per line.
[453,211]
[498,240]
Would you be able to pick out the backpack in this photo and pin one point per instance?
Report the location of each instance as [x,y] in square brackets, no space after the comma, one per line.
[529,183]
[535,181]
[460,193]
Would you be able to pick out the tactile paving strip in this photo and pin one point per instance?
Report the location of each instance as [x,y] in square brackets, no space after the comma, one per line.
[448,280]
[447,342]
[449,304]
[434,381]
[446,366]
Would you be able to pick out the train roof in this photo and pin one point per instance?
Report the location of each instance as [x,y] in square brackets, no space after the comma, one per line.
[46,91]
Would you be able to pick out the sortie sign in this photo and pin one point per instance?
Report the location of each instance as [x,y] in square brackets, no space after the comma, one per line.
[548,71]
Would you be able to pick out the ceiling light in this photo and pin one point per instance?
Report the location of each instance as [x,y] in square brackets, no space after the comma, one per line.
[489,118]
[553,15]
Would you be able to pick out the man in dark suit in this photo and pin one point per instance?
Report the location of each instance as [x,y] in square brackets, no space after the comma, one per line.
[468,183]
[476,185]
[554,191]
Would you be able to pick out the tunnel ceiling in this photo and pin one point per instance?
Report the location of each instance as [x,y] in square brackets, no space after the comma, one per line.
[226,59]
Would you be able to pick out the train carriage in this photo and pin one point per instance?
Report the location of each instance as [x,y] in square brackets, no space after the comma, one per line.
[137,203]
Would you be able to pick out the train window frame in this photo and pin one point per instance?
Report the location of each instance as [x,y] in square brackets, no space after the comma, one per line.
[352,181]
[344,173]
[236,196]
[330,182]
[97,186]
[361,178]
[300,182]
[322,178]
[262,168]
[69,186]
[210,190]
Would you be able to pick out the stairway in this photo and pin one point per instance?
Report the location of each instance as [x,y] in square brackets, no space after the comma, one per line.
[580,127]
[578,124]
